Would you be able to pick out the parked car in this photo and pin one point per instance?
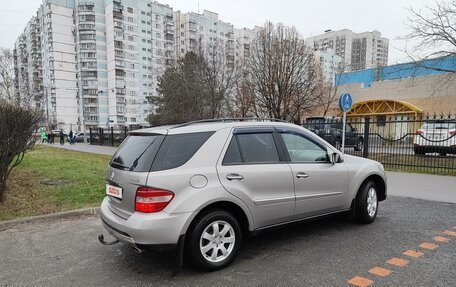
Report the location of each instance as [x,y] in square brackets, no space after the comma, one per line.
[330,129]
[201,187]
[79,137]
[435,136]
[57,133]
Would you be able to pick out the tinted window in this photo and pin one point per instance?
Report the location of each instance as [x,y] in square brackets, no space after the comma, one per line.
[257,148]
[232,155]
[178,149]
[137,153]
[302,149]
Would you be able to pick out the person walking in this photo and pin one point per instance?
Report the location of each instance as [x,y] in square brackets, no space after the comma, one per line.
[44,137]
[62,137]
[51,137]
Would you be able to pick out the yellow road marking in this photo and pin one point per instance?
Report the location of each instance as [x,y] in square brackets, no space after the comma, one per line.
[360,281]
[413,253]
[450,233]
[441,239]
[427,245]
[379,271]
[397,261]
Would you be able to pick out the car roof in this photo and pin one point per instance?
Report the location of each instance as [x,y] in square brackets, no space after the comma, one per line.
[212,125]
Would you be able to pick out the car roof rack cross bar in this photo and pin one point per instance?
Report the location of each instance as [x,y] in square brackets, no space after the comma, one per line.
[222,120]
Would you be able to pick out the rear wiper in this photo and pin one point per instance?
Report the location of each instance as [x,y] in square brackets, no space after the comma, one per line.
[135,163]
[120,165]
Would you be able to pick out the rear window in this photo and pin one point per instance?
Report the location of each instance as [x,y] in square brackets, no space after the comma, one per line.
[178,149]
[137,153]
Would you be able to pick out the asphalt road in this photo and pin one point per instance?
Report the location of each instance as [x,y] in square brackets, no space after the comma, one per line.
[327,252]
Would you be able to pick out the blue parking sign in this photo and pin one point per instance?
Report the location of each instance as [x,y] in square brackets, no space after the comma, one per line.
[345,102]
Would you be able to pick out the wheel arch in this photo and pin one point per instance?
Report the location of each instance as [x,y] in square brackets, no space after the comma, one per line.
[244,217]
[379,183]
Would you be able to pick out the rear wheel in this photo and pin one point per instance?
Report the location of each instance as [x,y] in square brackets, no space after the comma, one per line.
[443,153]
[215,240]
[366,203]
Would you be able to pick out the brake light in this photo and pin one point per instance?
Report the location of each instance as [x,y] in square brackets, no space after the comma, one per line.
[149,199]
[452,133]
[419,132]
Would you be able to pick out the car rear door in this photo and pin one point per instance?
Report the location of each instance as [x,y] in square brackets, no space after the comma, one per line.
[253,170]
[320,186]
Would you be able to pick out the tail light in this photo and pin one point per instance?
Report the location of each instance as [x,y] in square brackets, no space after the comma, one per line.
[452,133]
[419,132]
[149,199]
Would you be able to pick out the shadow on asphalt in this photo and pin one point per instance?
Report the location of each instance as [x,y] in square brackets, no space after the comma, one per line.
[277,240]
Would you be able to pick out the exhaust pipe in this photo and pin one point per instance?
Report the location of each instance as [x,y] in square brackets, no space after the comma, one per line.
[102,241]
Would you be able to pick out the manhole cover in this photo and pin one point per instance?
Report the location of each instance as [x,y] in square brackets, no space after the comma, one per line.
[57,182]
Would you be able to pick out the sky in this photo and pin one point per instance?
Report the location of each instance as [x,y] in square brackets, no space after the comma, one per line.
[309,17]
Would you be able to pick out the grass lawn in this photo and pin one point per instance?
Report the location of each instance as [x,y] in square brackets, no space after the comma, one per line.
[83,175]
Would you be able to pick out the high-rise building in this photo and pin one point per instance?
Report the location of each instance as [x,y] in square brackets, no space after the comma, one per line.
[91,63]
[358,51]
[330,63]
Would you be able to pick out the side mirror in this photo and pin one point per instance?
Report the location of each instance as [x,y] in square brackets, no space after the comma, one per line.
[336,158]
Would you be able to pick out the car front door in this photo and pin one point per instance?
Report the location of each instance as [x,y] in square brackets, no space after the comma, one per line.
[320,186]
[253,169]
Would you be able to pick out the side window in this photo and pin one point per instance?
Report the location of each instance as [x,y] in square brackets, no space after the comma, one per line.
[303,150]
[252,148]
[178,149]
[232,155]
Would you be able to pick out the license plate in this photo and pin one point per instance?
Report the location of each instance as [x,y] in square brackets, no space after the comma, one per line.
[114,191]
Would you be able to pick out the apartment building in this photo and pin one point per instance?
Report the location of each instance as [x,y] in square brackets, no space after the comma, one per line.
[358,50]
[94,63]
[330,63]
[204,33]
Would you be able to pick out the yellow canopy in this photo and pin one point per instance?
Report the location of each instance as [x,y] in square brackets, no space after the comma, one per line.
[382,108]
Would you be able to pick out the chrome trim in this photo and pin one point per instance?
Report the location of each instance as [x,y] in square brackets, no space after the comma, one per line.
[261,202]
[318,195]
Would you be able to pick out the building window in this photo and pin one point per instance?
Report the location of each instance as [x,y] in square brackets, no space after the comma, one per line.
[130,10]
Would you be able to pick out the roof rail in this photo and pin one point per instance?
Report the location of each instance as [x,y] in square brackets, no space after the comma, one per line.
[222,120]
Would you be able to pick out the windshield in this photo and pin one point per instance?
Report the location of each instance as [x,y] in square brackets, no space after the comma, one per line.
[439,126]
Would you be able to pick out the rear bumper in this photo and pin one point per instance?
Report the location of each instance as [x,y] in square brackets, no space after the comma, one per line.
[434,148]
[145,231]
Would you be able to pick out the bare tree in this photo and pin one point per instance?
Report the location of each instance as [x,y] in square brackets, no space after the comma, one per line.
[7,75]
[435,30]
[329,90]
[219,77]
[18,125]
[282,73]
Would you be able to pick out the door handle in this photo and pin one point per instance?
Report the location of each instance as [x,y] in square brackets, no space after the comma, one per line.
[302,175]
[234,176]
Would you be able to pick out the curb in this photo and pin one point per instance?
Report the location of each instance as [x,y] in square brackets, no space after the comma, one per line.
[48,217]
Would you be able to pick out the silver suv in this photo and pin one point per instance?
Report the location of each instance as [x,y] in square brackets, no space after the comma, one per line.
[201,187]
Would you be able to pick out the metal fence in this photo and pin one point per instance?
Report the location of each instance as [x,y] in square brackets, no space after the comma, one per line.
[107,136]
[400,143]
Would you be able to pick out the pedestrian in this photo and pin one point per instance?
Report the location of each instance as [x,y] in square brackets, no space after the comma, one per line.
[62,137]
[51,137]
[44,137]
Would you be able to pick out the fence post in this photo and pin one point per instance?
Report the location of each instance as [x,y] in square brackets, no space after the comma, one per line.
[366,137]
[100,136]
[90,136]
[125,129]
[112,136]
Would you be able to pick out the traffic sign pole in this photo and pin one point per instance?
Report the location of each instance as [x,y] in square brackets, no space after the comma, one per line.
[345,104]
[344,120]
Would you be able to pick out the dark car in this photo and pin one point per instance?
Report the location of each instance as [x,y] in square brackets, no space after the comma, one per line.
[330,129]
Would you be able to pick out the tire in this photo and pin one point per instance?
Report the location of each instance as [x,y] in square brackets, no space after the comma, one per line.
[205,224]
[359,145]
[338,143]
[366,203]
[443,153]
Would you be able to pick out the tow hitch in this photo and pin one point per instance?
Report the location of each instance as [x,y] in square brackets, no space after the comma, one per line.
[102,241]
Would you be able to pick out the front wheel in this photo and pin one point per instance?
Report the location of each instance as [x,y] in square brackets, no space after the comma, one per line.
[366,203]
[215,240]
